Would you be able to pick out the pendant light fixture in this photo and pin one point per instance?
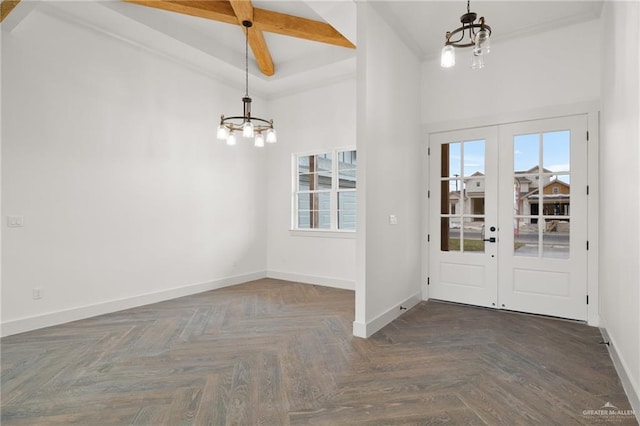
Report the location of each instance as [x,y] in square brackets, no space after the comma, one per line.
[259,129]
[478,34]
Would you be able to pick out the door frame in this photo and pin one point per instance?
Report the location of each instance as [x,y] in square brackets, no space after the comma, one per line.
[590,109]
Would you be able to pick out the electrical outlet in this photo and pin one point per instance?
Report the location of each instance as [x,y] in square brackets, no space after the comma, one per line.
[37,293]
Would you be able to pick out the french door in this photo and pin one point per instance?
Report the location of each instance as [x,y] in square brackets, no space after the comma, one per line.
[508,225]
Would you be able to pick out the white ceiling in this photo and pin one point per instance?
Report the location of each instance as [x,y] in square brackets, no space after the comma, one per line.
[217,49]
[423,24]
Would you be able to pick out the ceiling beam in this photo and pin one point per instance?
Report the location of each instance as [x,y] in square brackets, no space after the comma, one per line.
[244,11]
[294,26]
[236,11]
[265,20]
[6,7]
[215,10]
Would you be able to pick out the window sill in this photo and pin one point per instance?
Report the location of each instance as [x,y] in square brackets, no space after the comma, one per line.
[321,233]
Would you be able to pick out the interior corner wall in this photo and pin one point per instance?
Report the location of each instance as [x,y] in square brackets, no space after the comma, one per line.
[389,175]
[310,121]
[1,216]
[619,190]
[109,154]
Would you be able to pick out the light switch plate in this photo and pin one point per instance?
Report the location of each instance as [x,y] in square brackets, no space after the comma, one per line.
[393,219]
[15,221]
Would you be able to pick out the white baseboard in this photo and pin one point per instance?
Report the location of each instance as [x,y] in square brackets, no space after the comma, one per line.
[371,327]
[311,279]
[54,318]
[630,386]
[360,329]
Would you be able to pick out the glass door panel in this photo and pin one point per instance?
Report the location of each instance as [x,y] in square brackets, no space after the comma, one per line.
[462,198]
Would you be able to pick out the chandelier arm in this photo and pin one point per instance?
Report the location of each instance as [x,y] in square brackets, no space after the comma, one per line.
[227,121]
[462,30]
[456,31]
[240,117]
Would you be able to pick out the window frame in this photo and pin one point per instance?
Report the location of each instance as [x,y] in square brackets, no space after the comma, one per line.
[333,229]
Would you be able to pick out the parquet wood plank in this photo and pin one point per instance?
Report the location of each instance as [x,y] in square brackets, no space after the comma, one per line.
[241,403]
[362,412]
[271,398]
[272,352]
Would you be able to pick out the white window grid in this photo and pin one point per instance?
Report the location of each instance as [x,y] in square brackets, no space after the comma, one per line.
[333,192]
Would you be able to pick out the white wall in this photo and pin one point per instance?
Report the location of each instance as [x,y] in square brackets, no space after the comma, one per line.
[389,175]
[319,119]
[620,192]
[109,153]
[552,68]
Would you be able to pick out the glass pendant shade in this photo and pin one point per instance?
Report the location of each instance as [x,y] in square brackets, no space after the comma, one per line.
[231,140]
[477,62]
[223,133]
[483,45]
[448,57]
[259,140]
[247,129]
[271,136]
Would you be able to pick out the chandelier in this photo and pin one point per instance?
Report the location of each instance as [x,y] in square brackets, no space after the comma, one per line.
[251,127]
[478,34]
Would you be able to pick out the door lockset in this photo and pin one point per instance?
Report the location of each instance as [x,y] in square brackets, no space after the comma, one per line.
[490,239]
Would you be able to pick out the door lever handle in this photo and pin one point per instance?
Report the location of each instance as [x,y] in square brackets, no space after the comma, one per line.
[491,239]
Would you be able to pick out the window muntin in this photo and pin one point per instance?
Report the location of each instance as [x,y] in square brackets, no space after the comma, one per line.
[325,191]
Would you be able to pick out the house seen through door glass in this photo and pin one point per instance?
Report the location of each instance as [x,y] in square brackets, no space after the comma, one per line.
[542,188]
[462,215]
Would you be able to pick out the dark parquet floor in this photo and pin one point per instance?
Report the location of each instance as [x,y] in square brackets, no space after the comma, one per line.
[277,353]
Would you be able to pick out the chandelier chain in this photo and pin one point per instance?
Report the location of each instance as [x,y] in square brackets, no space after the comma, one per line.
[246,61]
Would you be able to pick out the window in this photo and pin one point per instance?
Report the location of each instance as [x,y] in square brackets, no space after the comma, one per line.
[325,191]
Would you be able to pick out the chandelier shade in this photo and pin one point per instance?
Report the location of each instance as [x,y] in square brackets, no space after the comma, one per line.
[251,127]
[472,33]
